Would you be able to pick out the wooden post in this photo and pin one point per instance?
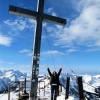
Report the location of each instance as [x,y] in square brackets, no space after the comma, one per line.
[19,89]
[67,88]
[9,91]
[80,88]
[25,86]
[44,88]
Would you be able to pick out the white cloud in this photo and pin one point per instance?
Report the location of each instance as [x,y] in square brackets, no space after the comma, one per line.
[71,50]
[52,52]
[5,40]
[23,68]
[51,12]
[7,65]
[20,23]
[26,52]
[84,30]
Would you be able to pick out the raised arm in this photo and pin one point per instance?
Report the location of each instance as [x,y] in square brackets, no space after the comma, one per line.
[49,72]
[59,72]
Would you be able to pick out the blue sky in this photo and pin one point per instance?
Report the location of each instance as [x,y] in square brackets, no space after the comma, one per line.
[75,46]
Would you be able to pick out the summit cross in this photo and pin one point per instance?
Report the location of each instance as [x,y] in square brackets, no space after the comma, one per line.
[39,16]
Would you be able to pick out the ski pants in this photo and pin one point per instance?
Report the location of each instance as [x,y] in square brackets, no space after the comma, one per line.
[54,91]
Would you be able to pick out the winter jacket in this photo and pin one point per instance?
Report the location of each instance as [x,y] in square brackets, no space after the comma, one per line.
[54,79]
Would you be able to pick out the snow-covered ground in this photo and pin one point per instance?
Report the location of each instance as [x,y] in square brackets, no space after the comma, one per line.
[13,96]
[47,94]
[11,75]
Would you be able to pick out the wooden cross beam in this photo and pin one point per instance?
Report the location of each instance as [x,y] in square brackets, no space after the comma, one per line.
[33,14]
[40,16]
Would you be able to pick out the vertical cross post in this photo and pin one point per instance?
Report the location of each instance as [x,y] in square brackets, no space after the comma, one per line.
[36,56]
[80,88]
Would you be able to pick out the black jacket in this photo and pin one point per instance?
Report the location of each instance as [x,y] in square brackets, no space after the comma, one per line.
[54,79]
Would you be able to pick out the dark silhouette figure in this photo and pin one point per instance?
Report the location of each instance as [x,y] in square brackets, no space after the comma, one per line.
[54,82]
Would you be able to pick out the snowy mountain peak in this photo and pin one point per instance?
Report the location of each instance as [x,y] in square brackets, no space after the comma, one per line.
[9,76]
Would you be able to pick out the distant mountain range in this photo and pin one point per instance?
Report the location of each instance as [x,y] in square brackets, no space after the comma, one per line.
[89,82]
[9,76]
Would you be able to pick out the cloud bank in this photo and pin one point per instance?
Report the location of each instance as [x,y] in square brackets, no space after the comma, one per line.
[83,31]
